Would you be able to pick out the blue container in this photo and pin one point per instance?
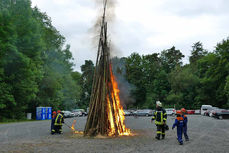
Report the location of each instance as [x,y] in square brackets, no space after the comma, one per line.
[40,113]
[48,113]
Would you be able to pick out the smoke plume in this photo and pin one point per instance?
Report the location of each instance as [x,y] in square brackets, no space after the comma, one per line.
[119,71]
[118,65]
[109,18]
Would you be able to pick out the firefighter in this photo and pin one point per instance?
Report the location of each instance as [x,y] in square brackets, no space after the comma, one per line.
[185,124]
[52,122]
[58,122]
[160,118]
[179,123]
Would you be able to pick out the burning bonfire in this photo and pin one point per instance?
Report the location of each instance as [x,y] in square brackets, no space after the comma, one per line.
[106,115]
[115,111]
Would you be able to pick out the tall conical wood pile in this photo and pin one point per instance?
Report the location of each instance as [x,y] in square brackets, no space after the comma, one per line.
[106,116]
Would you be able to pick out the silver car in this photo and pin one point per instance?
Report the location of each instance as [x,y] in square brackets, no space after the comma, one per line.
[67,114]
[143,112]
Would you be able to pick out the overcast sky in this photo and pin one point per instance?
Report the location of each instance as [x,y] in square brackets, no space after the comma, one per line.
[143,26]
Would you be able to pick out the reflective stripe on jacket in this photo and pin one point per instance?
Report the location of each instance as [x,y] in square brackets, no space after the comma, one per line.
[59,119]
[160,116]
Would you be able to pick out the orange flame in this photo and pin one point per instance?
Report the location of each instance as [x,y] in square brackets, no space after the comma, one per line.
[73,128]
[116,118]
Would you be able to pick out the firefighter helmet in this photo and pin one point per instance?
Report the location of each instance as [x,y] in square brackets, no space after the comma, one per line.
[158,103]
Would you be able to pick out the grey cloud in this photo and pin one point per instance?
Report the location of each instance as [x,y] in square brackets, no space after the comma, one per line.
[131,37]
[75,20]
[75,29]
[192,8]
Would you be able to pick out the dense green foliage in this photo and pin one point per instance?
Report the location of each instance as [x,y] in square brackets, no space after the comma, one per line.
[35,68]
[205,80]
[86,83]
[163,77]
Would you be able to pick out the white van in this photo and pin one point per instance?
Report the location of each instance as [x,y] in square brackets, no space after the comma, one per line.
[204,108]
[170,111]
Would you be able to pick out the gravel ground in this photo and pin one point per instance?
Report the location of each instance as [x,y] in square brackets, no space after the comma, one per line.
[206,135]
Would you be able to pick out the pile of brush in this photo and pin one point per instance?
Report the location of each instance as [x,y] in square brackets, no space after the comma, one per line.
[105,115]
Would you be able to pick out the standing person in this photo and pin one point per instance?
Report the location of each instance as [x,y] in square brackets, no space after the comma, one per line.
[160,118]
[179,123]
[183,111]
[58,122]
[52,122]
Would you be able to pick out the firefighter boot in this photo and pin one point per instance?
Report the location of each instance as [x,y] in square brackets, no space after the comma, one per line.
[158,137]
[163,135]
[53,131]
[60,131]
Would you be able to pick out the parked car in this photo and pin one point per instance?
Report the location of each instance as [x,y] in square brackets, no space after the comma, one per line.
[77,113]
[190,111]
[207,112]
[126,113]
[67,114]
[220,113]
[197,111]
[210,111]
[131,112]
[170,111]
[83,113]
[204,108]
[143,112]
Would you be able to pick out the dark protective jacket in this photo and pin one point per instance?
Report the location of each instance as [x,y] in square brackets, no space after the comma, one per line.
[52,122]
[59,119]
[160,116]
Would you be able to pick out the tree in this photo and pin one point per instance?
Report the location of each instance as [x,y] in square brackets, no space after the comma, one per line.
[183,84]
[135,76]
[171,58]
[76,76]
[20,70]
[7,45]
[197,52]
[213,70]
[226,89]
[35,66]
[86,83]
[222,71]
[134,69]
